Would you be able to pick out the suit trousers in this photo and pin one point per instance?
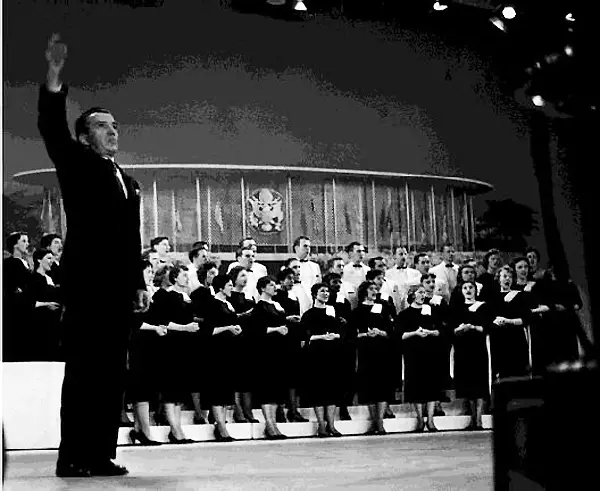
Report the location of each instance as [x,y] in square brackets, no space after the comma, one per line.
[94,383]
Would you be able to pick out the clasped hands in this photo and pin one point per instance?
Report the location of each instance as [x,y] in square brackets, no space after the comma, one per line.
[463,328]
[373,332]
[423,333]
[283,330]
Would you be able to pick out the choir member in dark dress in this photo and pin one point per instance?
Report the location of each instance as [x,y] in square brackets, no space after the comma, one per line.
[295,339]
[508,337]
[267,328]
[172,306]
[470,325]
[347,360]
[466,272]
[16,311]
[221,321]
[323,353]
[434,297]
[144,352]
[202,301]
[54,244]
[46,300]
[491,262]
[243,352]
[536,273]
[374,343]
[421,330]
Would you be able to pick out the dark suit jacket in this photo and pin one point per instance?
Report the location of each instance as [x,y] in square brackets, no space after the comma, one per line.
[97,212]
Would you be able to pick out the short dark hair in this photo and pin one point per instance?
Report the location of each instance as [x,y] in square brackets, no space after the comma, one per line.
[201,244]
[329,277]
[235,272]
[195,252]
[446,244]
[264,281]
[47,239]
[362,290]
[288,261]
[315,288]
[12,239]
[284,273]
[350,246]
[427,276]
[174,272]
[486,258]
[331,260]
[298,239]
[39,254]
[157,240]
[82,123]
[203,272]
[419,256]
[371,262]
[220,281]
[374,273]
[240,250]
[244,240]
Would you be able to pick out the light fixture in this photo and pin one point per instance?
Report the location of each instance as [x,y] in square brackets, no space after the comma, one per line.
[569,50]
[300,6]
[509,12]
[439,6]
[499,23]
[570,17]
[538,100]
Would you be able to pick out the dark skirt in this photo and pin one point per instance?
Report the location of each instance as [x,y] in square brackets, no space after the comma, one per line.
[375,370]
[271,381]
[471,370]
[323,374]
[510,352]
[425,369]
[220,377]
[144,377]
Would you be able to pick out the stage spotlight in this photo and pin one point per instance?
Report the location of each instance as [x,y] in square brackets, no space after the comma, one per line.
[300,6]
[538,100]
[569,50]
[276,3]
[439,6]
[509,12]
[570,17]
[499,23]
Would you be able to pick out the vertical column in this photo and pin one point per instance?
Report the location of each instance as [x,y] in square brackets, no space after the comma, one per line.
[155,205]
[63,217]
[243,195]
[325,224]
[335,216]
[466,217]
[408,220]
[288,210]
[374,214]
[209,215]
[472,219]
[50,213]
[391,210]
[414,222]
[173,220]
[361,215]
[198,209]
[453,212]
[433,219]
[142,220]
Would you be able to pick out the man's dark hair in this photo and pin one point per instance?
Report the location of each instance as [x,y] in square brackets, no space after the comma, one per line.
[47,239]
[82,124]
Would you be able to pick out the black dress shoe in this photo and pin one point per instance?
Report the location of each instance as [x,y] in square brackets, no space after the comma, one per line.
[108,468]
[333,432]
[432,429]
[64,469]
[419,429]
[221,438]
[142,438]
[296,417]
[183,441]
[199,420]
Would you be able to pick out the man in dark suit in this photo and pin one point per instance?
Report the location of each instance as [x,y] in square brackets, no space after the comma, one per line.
[100,308]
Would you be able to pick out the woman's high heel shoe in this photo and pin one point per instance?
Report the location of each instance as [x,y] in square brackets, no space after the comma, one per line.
[183,441]
[333,432]
[221,438]
[142,438]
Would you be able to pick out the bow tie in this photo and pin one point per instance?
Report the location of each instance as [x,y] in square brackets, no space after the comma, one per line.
[250,271]
[402,267]
[303,260]
[357,265]
[449,265]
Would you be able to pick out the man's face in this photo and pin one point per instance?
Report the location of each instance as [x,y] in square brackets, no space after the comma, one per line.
[380,265]
[163,247]
[56,246]
[303,249]
[358,254]
[102,136]
[448,254]
[401,257]
[295,267]
[247,258]
[201,258]
[424,264]
[288,282]
[337,267]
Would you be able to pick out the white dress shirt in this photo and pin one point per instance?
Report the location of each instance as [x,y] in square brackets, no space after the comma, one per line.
[259,268]
[403,278]
[449,274]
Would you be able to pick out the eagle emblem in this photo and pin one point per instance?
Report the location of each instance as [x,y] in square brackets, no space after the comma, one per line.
[265,210]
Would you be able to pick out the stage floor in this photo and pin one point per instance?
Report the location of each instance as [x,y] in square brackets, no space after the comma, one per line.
[446,461]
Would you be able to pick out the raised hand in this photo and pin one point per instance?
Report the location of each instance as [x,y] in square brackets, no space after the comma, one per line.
[56,53]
